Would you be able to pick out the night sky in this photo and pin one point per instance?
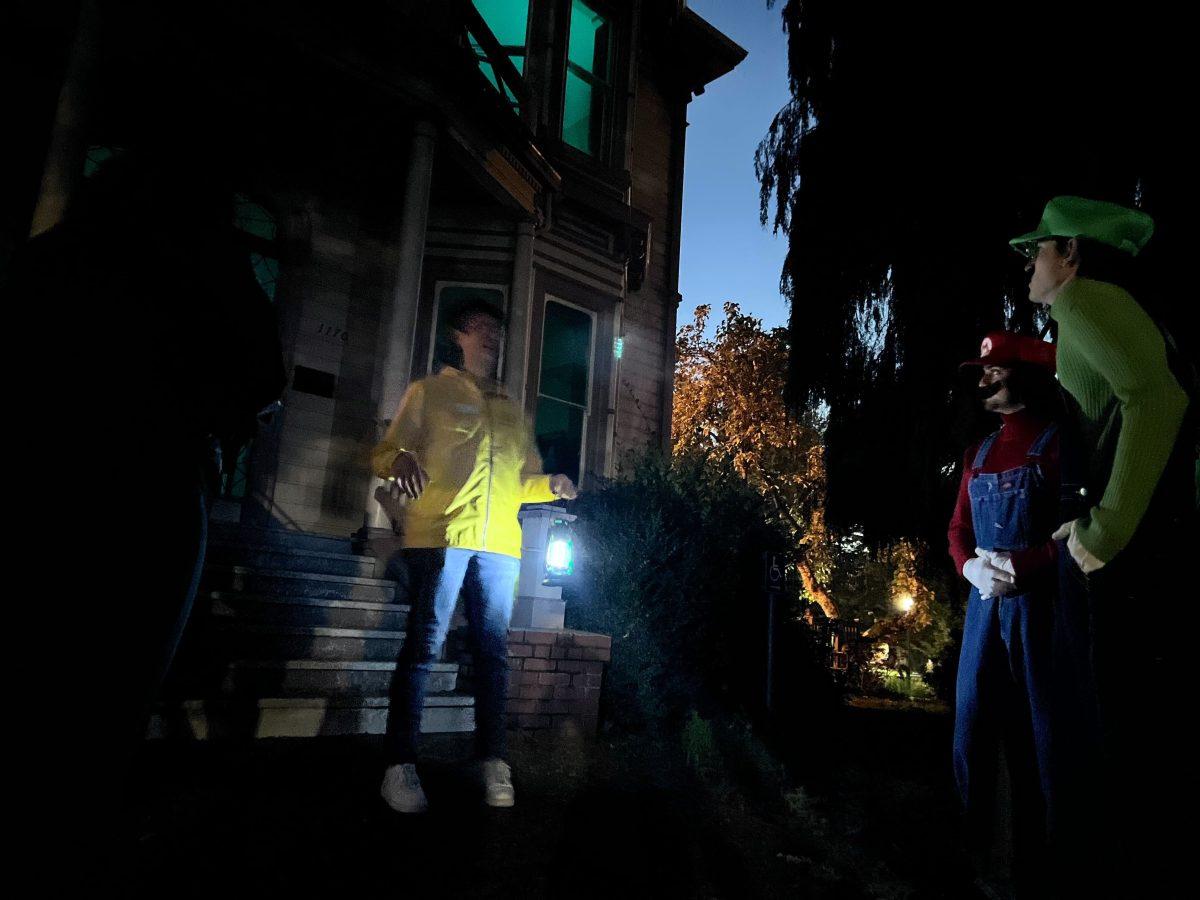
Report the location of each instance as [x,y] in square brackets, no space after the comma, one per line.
[726,254]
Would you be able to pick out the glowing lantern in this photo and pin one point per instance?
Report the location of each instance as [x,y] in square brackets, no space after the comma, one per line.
[560,551]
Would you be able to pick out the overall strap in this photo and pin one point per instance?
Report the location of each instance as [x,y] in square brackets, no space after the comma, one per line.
[1039,446]
[984,448]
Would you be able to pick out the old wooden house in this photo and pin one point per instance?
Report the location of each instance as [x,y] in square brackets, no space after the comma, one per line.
[396,158]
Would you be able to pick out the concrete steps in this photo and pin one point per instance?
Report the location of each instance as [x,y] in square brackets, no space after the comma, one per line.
[292,583]
[273,641]
[292,636]
[312,611]
[222,553]
[305,717]
[322,677]
[278,538]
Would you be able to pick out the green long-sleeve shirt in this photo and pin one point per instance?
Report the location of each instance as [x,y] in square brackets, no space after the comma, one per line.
[1113,361]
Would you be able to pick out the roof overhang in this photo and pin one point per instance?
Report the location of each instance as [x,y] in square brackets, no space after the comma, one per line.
[703,54]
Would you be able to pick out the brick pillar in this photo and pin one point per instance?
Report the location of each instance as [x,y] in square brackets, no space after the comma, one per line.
[556,678]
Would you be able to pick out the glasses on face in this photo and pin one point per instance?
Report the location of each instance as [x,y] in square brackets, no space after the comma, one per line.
[1030,250]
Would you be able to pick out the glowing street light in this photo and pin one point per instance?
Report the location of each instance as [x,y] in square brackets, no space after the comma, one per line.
[905,602]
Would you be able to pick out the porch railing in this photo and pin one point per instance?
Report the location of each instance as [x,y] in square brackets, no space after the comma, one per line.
[488,50]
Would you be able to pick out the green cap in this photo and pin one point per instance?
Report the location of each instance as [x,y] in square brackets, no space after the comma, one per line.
[1109,223]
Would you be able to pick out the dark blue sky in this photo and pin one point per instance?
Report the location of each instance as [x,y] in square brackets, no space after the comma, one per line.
[725,253]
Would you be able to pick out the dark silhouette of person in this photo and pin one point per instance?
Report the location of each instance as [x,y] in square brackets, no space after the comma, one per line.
[154,343]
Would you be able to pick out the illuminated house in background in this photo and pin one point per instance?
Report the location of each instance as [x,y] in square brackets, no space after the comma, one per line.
[397,158]
[400,157]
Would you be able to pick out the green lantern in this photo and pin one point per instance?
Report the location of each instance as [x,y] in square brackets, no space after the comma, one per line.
[560,552]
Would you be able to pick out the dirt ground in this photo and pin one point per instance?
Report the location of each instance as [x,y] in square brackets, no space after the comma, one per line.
[616,816]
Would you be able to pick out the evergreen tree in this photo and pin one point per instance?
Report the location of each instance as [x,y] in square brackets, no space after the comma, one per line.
[918,140]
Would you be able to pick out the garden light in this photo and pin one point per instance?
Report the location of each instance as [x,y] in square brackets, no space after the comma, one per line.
[905,602]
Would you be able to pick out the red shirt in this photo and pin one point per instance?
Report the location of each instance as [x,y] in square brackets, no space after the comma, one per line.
[1009,451]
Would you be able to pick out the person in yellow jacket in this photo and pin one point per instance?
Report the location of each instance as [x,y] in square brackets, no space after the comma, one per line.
[460,450]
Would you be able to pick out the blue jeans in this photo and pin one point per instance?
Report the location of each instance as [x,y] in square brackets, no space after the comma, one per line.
[1005,679]
[488,583]
[1004,699]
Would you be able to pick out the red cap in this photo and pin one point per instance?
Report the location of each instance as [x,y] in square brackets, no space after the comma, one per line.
[1003,348]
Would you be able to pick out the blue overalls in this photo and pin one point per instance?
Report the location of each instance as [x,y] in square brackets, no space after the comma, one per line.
[1004,670]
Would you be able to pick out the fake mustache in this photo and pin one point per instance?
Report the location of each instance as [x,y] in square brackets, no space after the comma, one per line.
[983,393]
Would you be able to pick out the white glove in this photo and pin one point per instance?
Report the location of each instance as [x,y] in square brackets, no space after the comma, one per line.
[1079,553]
[1001,559]
[992,582]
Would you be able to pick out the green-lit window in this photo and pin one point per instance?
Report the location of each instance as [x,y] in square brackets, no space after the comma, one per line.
[564,388]
[508,21]
[258,229]
[97,156]
[587,99]
[451,298]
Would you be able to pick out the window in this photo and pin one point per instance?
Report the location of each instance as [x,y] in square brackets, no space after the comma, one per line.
[564,388]
[97,156]
[450,298]
[508,21]
[587,99]
[257,227]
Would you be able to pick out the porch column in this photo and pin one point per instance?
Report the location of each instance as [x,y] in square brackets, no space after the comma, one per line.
[399,327]
[516,348]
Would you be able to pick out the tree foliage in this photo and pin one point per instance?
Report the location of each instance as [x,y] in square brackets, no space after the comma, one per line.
[917,140]
[729,408]
[729,412]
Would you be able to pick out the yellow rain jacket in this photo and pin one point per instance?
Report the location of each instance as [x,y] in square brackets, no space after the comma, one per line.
[482,463]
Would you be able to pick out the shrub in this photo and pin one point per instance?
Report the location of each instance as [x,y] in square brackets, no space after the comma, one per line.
[671,567]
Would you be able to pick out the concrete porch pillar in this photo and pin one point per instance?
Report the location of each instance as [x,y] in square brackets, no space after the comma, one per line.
[400,323]
[516,348]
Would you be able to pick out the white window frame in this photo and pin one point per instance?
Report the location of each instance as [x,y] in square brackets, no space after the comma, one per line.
[591,374]
[437,304]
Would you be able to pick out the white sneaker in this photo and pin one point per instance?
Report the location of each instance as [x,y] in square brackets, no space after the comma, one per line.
[401,789]
[497,783]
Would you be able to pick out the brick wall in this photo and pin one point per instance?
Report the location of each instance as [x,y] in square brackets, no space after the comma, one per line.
[555,678]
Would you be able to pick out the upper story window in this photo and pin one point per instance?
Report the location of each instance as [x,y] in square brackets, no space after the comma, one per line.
[508,20]
[588,97]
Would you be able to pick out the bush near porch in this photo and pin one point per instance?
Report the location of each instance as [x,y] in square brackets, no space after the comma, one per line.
[670,564]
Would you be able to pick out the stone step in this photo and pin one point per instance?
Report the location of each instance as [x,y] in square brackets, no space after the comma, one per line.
[314,611]
[283,583]
[302,717]
[290,559]
[320,677]
[266,641]
[279,538]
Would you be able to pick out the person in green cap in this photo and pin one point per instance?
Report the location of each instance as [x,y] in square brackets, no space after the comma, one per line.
[1120,540]
[1112,360]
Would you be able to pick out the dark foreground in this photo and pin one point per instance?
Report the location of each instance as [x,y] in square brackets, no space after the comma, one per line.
[872,817]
